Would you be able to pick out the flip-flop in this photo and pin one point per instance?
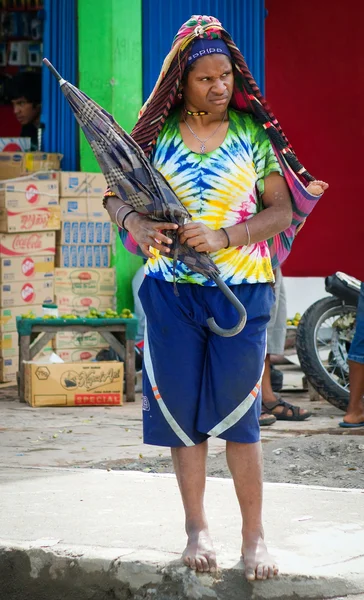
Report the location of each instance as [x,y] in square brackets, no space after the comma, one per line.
[265,419]
[351,425]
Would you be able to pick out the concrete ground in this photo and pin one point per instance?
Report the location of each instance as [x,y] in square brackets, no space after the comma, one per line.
[83,534]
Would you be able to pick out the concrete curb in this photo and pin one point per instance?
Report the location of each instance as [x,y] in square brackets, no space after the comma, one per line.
[85,572]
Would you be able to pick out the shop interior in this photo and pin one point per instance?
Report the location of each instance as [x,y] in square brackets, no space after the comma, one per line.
[21,52]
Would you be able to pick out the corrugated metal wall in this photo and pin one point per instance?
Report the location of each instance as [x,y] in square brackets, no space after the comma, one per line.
[60,47]
[243,19]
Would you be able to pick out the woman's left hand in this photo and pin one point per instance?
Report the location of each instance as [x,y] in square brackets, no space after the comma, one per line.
[202,238]
[316,188]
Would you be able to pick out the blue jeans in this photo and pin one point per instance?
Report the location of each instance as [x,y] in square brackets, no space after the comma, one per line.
[356,352]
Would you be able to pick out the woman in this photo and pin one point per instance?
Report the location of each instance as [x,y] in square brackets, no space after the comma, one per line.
[222,166]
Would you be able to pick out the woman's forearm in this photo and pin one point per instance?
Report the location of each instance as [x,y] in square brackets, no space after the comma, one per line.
[113,204]
[268,223]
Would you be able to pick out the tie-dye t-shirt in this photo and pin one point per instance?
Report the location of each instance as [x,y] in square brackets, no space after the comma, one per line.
[218,188]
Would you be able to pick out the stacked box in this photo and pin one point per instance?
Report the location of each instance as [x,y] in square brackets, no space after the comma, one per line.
[86,232]
[77,292]
[27,260]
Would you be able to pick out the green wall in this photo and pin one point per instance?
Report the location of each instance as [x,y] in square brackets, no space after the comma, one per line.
[110,72]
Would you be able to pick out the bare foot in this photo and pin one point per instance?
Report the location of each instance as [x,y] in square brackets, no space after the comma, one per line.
[199,553]
[259,564]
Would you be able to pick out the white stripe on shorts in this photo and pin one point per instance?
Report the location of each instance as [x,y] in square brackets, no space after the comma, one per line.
[240,410]
[148,365]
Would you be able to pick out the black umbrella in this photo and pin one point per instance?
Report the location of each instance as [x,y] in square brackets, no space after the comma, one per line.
[132,177]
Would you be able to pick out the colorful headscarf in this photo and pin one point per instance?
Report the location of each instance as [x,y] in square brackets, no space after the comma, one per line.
[246,97]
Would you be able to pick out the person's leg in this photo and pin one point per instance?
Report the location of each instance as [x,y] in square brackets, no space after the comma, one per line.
[272,404]
[246,466]
[190,467]
[138,308]
[355,411]
[174,358]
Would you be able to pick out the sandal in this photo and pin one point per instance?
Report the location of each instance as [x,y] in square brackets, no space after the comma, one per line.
[266,419]
[287,408]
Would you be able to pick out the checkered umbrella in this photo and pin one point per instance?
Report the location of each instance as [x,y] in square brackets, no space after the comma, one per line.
[129,174]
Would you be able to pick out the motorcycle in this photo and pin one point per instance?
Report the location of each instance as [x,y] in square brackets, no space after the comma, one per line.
[324,336]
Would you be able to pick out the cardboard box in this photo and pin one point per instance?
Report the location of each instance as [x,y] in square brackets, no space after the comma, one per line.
[85,257]
[75,184]
[18,164]
[85,281]
[85,232]
[78,354]
[18,293]
[9,368]
[74,384]
[73,339]
[80,305]
[29,193]
[20,144]
[41,243]
[26,268]
[8,315]
[9,345]
[81,209]
[34,219]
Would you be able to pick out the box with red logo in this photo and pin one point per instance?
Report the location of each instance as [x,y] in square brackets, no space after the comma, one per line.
[74,339]
[43,218]
[28,193]
[8,315]
[78,354]
[20,293]
[74,384]
[26,268]
[38,243]
[85,281]
[15,144]
[81,305]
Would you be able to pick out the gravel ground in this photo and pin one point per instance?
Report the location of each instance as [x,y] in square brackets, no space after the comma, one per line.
[320,459]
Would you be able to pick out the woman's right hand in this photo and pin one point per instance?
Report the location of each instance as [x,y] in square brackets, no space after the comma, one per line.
[147,232]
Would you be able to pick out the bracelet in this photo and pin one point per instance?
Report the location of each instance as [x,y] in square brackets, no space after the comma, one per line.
[117,214]
[227,237]
[123,221]
[248,233]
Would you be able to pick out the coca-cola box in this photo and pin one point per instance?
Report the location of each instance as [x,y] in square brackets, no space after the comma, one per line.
[40,243]
[26,268]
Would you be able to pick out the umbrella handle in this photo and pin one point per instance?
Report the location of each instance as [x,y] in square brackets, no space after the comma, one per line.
[237,304]
[53,71]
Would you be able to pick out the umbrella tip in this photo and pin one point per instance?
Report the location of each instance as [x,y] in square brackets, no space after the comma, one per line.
[52,70]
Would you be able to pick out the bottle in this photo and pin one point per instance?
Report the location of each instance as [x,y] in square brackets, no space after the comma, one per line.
[50,309]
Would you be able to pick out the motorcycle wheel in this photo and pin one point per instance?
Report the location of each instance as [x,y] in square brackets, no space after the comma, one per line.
[322,350]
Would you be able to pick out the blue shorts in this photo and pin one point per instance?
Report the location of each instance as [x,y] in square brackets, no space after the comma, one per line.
[197,384]
[356,352]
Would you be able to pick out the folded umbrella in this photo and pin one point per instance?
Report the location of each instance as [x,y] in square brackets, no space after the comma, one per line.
[129,174]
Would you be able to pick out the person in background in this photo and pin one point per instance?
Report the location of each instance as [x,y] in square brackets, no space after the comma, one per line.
[355,413]
[26,96]
[138,308]
[273,406]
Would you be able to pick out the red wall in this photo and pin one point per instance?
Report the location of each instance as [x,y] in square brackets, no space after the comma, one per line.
[315,85]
